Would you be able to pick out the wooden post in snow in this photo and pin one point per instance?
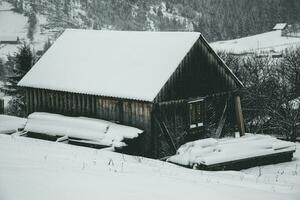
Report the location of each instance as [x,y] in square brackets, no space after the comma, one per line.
[239,114]
[1,106]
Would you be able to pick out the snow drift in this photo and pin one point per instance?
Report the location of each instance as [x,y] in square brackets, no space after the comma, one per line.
[11,124]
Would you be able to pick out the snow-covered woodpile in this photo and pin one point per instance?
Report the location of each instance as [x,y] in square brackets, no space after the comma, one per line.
[100,131]
[213,152]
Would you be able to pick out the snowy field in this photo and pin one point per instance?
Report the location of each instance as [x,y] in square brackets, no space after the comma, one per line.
[34,169]
[269,41]
[12,24]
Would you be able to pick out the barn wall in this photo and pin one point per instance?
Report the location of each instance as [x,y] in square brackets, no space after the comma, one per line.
[173,115]
[126,112]
[199,74]
[131,113]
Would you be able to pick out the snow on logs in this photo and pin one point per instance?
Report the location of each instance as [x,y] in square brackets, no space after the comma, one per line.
[251,148]
[96,130]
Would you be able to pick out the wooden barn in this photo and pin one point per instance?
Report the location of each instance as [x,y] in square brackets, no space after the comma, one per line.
[172,85]
[10,40]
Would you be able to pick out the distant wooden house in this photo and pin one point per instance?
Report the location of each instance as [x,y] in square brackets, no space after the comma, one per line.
[280,26]
[170,84]
[10,40]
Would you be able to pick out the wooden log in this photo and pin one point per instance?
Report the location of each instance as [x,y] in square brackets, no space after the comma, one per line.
[221,122]
[239,115]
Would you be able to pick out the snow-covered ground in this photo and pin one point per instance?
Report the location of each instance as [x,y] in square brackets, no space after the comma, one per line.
[6,98]
[11,124]
[12,24]
[265,42]
[35,169]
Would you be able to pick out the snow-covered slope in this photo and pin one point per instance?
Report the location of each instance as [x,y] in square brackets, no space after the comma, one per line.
[33,169]
[11,124]
[265,42]
[12,24]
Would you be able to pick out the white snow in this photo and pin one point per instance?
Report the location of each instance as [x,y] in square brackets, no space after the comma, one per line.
[104,132]
[212,151]
[11,124]
[123,64]
[295,103]
[11,24]
[34,169]
[269,41]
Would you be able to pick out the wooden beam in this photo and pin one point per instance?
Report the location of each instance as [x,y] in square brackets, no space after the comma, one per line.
[1,106]
[239,115]
[221,122]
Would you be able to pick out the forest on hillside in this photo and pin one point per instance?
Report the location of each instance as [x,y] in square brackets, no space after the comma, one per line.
[215,19]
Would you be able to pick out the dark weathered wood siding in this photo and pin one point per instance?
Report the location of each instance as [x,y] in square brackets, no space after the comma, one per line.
[126,112]
[199,74]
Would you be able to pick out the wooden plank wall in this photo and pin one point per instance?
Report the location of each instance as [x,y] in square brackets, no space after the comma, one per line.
[126,112]
[176,117]
[130,113]
[71,104]
[199,74]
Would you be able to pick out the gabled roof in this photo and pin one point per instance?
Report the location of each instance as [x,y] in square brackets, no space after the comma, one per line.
[280,26]
[133,65]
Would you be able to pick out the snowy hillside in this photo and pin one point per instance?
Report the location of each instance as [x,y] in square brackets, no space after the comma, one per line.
[12,24]
[15,25]
[34,169]
[271,41]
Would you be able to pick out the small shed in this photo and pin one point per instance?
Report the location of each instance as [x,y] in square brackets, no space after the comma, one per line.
[172,85]
[280,26]
[9,40]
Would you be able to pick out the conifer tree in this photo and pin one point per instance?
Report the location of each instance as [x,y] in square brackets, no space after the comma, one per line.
[19,65]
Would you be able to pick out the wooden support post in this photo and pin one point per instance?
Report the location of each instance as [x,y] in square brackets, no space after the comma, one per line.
[1,106]
[239,115]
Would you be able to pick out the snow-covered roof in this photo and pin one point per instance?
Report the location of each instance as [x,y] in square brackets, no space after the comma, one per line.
[279,26]
[124,64]
[100,131]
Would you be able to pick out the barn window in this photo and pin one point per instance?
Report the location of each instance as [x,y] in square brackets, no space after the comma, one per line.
[196,113]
